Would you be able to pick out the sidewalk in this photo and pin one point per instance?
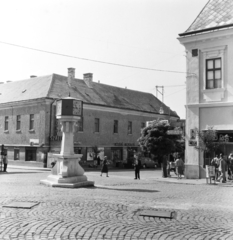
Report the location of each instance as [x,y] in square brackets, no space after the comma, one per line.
[115,173]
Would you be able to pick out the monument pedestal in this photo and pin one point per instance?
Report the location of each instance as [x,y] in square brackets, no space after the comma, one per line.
[67,173]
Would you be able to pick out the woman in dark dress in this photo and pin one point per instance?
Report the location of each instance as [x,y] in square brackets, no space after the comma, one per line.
[104,168]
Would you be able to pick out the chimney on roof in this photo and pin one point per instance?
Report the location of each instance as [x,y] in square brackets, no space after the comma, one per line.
[88,77]
[71,76]
[33,76]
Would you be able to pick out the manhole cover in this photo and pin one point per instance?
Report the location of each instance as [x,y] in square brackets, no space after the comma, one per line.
[159,214]
[25,205]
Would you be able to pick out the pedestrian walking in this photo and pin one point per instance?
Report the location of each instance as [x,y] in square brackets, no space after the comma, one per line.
[231,166]
[137,167]
[215,163]
[5,162]
[104,168]
[179,167]
[222,169]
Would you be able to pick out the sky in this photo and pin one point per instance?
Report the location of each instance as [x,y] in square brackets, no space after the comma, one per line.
[137,33]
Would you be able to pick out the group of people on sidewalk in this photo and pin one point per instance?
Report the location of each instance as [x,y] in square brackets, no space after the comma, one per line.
[223,167]
[177,166]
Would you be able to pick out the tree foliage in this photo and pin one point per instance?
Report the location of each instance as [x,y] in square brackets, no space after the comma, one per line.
[156,140]
[207,140]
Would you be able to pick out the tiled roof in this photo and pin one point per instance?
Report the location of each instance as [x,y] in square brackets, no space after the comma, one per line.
[216,13]
[32,88]
[56,86]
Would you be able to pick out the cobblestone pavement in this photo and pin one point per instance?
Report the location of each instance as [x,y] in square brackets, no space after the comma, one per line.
[111,210]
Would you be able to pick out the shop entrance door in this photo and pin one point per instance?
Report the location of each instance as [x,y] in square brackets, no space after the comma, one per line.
[30,154]
[16,154]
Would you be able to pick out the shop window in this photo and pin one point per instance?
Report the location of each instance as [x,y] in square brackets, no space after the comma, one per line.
[31,124]
[97,124]
[6,124]
[115,126]
[30,154]
[143,125]
[213,73]
[18,122]
[130,127]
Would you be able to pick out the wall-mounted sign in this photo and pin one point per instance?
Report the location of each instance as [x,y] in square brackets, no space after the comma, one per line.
[124,144]
[34,142]
[192,143]
[174,132]
[55,138]
[192,134]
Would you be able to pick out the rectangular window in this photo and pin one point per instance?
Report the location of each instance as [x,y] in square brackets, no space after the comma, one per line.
[115,126]
[80,124]
[129,127]
[31,125]
[213,73]
[6,125]
[97,124]
[18,122]
[143,125]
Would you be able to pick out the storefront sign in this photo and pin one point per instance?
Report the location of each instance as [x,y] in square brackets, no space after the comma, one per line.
[124,144]
[174,132]
[34,141]
[224,137]
[55,138]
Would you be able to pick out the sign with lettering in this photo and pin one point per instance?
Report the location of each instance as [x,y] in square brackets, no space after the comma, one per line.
[34,141]
[124,144]
[55,138]
[174,132]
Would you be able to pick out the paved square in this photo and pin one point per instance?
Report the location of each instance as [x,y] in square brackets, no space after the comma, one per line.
[111,210]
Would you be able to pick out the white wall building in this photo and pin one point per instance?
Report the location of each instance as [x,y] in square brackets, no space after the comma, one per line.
[209,94]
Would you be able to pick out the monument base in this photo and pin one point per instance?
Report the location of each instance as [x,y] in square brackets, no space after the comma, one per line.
[68,182]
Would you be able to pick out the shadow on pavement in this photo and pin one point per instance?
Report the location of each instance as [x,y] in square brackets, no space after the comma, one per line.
[10,173]
[128,189]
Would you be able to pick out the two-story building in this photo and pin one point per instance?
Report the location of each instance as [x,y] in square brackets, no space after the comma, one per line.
[112,117]
[209,51]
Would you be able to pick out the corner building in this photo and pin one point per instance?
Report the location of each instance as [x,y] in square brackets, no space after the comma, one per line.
[209,86]
[112,118]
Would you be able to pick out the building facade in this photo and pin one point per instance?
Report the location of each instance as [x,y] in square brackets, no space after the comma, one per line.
[209,96]
[112,118]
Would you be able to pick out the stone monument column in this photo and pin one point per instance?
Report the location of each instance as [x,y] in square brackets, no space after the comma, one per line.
[67,172]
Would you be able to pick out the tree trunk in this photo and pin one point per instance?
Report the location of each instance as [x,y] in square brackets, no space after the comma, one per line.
[164,167]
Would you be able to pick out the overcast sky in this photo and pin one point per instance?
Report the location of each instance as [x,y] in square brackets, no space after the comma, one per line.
[139,33]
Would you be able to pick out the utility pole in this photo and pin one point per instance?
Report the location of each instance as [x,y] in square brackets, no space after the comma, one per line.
[162,91]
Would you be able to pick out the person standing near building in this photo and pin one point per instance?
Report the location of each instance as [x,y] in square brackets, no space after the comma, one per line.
[179,167]
[222,169]
[5,162]
[104,168]
[137,167]
[215,163]
[231,166]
